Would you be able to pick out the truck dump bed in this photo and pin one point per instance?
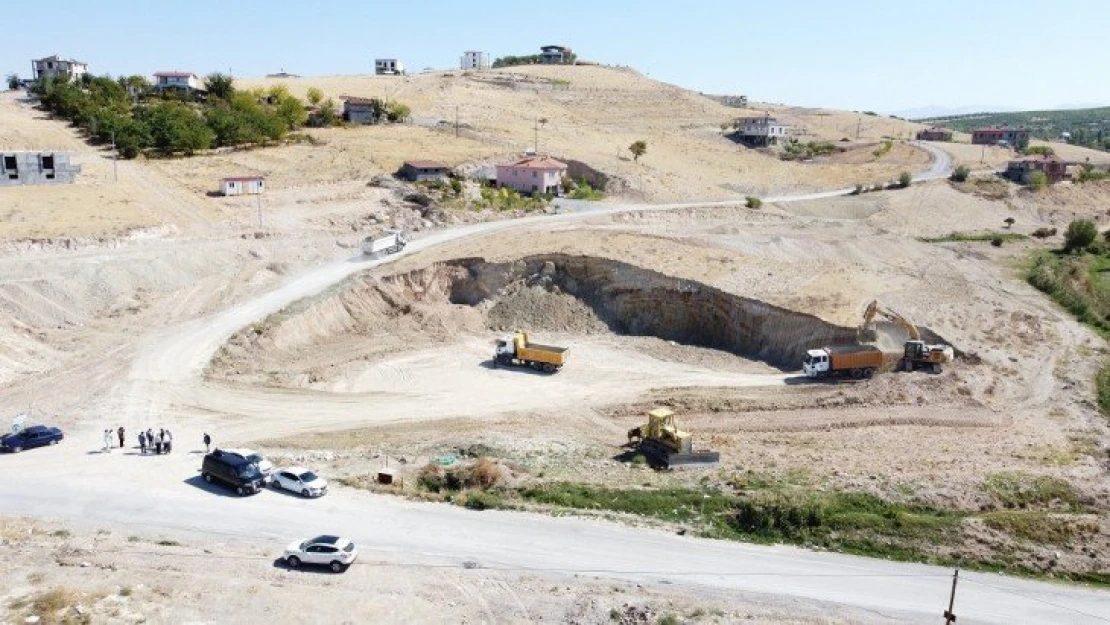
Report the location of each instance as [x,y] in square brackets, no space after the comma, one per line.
[543,353]
[855,357]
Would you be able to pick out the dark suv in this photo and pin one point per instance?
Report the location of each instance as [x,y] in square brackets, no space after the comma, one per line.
[34,436]
[232,470]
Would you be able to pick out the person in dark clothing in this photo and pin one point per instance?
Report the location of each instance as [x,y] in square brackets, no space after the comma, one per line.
[142,442]
[167,441]
[207,442]
[120,432]
[158,442]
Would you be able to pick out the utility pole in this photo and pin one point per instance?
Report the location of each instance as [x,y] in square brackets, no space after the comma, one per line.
[949,615]
[859,122]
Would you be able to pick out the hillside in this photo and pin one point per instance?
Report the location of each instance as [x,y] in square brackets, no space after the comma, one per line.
[1088,127]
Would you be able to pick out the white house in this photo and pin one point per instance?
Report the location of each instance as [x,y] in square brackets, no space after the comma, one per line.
[389,67]
[535,174]
[186,81]
[474,60]
[761,130]
[54,66]
[243,185]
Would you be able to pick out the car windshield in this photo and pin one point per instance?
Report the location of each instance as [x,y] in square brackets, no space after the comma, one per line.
[308,476]
[808,359]
[249,472]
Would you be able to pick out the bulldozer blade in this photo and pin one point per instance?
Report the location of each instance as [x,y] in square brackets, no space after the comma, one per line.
[695,460]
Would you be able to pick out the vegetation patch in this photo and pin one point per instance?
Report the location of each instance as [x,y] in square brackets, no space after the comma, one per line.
[883,148]
[795,150]
[1015,489]
[1042,527]
[961,237]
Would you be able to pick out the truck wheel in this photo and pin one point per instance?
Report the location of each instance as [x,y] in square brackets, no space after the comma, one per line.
[537,366]
[549,368]
[936,368]
[868,372]
[857,374]
[907,366]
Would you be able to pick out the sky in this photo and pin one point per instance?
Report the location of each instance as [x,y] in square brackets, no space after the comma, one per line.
[887,56]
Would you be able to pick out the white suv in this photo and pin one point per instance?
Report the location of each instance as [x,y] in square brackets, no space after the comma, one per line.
[331,551]
[300,480]
[264,466]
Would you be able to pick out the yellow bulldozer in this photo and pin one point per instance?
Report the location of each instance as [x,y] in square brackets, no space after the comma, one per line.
[916,353]
[667,447]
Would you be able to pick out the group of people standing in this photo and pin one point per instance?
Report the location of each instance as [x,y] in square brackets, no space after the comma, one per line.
[160,442]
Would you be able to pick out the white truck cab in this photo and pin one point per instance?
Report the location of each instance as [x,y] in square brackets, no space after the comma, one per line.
[815,363]
[390,242]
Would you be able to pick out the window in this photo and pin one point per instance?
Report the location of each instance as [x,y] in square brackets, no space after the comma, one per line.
[534,174]
[47,161]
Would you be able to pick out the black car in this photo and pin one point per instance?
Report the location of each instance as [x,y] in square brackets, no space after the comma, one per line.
[232,470]
[34,436]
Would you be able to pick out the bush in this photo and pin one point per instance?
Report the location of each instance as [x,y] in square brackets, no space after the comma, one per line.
[753,202]
[1023,490]
[960,174]
[1044,233]
[859,189]
[1080,234]
[1043,150]
[479,500]
[432,477]
[905,179]
[1037,180]
[997,241]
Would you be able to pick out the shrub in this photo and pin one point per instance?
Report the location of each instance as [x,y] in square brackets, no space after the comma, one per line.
[456,187]
[960,174]
[1044,233]
[883,149]
[638,149]
[858,189]
[905,179]
[1043,150]
[1009,221]
[432,477]
[668,619]
[479,500]
[753,202]
[1080,234]
[1088,173]
[997,241]
[1037,180]
[1022,490]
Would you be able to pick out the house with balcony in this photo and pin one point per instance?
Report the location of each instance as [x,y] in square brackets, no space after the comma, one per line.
[54,66]
[474,60]
[760,131]
[556,55]
[1055,169]
[181,81]
[389,67]
[1001,135]
[535,174]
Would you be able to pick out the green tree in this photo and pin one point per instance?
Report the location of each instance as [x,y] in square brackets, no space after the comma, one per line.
[13,81]
[315,96]
[905,179]
[220,86]
[1037,180]
[638,149]
[326,114]
[1043,150]
[135,85]
[174,127]
[397,112]
[961,173]
[1080,234]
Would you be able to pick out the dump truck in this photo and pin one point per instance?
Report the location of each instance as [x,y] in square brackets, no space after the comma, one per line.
[519,350]
[389,242]
[667,447]
[857,361]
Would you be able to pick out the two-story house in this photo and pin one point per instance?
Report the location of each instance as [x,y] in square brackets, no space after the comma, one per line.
[1001,135]
[389,67]
[535,174]
[760,130]
[474,60]
[54,66]
[185,81]
[1055,169]
[556,55]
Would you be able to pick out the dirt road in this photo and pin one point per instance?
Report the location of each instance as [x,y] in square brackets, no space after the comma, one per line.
[65,482]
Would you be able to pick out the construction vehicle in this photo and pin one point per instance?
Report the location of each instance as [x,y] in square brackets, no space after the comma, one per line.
[667,447]
[518,350]
[857,361]
[916,354]
[390,242]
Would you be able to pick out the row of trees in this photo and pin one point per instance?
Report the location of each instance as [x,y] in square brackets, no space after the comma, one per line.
[126,110]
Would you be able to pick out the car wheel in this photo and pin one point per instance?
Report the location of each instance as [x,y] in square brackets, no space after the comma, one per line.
[207,478]
[241,490]
[16,450]
[336,567]
[293,562]
[54,442]
[304,492]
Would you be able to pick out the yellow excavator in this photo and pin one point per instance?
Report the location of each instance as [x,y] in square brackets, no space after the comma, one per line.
[667,447]
[916,353]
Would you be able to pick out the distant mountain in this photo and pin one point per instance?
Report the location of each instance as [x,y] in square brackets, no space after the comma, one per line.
[933,110]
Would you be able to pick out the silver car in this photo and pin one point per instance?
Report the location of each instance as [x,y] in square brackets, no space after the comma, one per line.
[331,551]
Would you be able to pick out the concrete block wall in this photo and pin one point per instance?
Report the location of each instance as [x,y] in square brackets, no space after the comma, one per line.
[20,168]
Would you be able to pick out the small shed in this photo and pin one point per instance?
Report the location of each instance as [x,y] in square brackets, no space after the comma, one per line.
[418,171]
[243,185]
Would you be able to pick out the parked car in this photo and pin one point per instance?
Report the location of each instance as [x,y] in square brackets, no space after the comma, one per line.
[264,465]
[28,438]
[331,551]
[300,480]
[232,470]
